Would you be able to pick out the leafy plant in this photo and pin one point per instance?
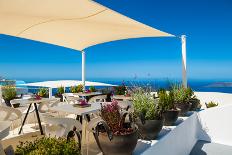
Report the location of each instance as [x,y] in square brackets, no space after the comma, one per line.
[211,104]
[60,90]
[8,92]
[144,104]
[166,100]
[92,89]
[120,90]
[76,89]
[48,146]
[43,92]
[181,94]
[110,113]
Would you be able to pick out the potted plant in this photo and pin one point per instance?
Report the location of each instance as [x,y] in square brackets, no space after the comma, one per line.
[147,113]
[76,89]
[112,134]
[60,91]
[8,93]
[43,92]
[120,90]
[181,98]
[211,104]
[47,146]
[170,112]
[92,89]
[195,102]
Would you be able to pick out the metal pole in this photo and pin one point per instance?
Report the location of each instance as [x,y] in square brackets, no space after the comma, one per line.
[50,92]
[184,65]
[0,95]
[83,69]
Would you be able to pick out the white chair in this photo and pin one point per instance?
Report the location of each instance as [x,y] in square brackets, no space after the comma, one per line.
[60,127]
[70,98]
[99,98]
[10,114]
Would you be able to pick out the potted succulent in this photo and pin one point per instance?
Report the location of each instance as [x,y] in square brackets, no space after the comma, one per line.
[170,112]
[48,146]
[8,93]
[43,92]
[60,91]
[195,102]
[147,113]
[181,98]
[112,134]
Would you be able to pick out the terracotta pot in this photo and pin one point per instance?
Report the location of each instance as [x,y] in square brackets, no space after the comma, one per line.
[184,108]
[170,117]
[150,129]
[119,145]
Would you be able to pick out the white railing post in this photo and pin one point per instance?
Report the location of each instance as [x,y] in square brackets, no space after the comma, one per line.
[83,69]
[184,65]
[50,92]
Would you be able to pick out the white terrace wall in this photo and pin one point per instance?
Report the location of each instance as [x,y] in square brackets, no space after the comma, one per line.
[179,141]
[216,125]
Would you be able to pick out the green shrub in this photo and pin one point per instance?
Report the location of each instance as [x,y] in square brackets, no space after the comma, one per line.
[43,92]
[8,92]
[181,94]
[120,90]
[48,146]
[92,89]
[211,104]
[166,100]
[60,90]
[145,104]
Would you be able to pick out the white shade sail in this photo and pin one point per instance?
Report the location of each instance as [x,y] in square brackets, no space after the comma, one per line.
[65,83]
[75,24]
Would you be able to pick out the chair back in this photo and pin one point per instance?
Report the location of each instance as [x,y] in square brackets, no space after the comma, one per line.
[99,98]
[9,113]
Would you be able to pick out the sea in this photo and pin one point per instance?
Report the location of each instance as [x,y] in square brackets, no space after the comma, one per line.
[202,85]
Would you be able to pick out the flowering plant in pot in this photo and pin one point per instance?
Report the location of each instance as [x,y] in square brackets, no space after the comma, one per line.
[182,96]
[43,92]
[112,134]
[170,112]
[120,90]
[147,113]
[76,89]
[92,89]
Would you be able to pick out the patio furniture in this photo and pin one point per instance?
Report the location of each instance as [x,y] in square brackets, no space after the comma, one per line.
[122,98]
[4,131]
[44,107]
[70,98]
[99,98]
[87,96]
[60,127]
[34,102]
[10,114]
[68,108]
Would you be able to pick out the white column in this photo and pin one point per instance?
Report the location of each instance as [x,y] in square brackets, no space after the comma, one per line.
[0,94]
[184,65]
[50,92]
[83,69]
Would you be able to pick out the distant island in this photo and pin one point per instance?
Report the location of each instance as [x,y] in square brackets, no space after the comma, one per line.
[220,84]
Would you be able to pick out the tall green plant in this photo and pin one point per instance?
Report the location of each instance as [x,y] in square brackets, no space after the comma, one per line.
[166,100]
[60,90]
[181,94]
[8,92]
[43,92]
[145,104]
[76,89]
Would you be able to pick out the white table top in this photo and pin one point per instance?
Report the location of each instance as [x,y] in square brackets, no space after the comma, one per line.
[4,129]
[69,108]
[88,94]
[29,101]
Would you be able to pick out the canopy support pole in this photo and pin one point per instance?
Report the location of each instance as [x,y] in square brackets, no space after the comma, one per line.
[184,65]
[83,69]
[0,95]
[50,92]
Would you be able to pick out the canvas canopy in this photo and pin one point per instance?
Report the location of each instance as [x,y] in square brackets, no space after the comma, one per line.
[75,24]
[65,83]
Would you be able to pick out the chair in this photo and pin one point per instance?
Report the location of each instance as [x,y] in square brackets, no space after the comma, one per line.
[70,98]
[99,98]
[61,127]
[10,114]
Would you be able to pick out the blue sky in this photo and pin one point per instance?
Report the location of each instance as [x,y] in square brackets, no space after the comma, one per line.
[207,24]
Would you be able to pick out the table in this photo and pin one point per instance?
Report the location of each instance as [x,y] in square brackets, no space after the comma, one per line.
[122,97]
[35,102]
[87,94]
[69,108]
